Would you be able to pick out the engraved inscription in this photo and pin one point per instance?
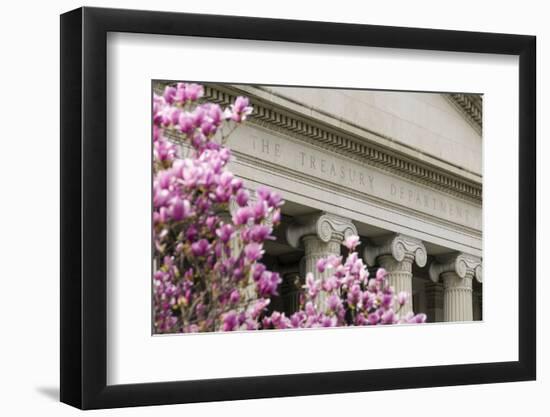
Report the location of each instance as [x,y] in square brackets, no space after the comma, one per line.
[350,174]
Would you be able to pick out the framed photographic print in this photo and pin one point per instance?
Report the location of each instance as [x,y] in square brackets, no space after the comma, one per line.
[257,207]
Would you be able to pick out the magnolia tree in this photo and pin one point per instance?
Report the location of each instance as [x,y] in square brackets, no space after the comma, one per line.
[206,262]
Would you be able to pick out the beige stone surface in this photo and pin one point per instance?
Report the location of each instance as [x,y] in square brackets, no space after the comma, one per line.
[426,122]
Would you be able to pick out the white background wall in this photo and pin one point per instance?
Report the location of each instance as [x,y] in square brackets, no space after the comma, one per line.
[29,221]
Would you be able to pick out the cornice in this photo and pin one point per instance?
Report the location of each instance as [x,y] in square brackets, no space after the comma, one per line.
[470,105]
[278,118]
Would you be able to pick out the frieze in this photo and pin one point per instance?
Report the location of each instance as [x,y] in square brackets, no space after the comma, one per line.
[345,173]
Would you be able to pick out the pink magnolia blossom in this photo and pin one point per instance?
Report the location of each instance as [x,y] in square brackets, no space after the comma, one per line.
[253,252]
[402,297]
[200,248]
[239,111]
[351,242]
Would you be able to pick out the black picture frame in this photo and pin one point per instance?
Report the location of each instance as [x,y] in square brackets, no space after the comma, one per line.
[84,207]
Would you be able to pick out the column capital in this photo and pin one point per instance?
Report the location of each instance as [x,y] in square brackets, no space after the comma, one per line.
[324,226]
[400,247]
[464,265]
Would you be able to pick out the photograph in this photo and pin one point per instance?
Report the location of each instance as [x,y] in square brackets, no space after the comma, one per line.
[296,207]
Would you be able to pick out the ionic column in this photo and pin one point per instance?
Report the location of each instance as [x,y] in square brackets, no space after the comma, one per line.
[456,272]
[396,255]
[321,235]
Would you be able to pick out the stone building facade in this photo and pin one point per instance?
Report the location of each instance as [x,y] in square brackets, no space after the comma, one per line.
[402,170]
